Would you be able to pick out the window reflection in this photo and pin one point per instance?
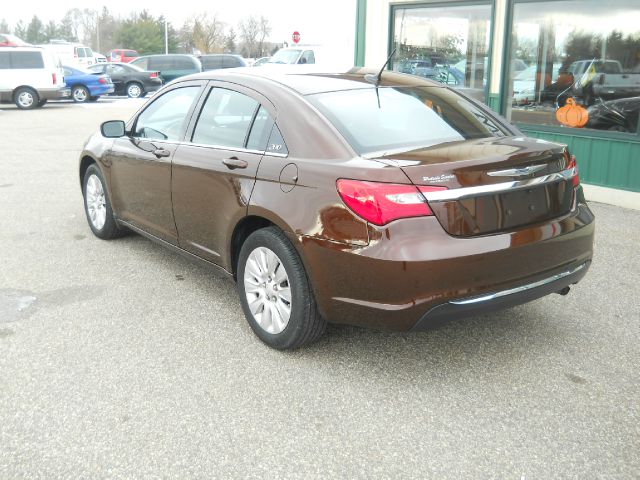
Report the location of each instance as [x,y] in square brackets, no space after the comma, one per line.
[582,64]
[446,44]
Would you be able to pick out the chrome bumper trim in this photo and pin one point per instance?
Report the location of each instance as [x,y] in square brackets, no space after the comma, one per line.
[523,288]
[503,187]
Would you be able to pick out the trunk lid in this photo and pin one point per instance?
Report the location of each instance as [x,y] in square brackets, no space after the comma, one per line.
[494,184]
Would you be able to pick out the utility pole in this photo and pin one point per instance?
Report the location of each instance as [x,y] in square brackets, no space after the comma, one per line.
[166,35]
[98,31]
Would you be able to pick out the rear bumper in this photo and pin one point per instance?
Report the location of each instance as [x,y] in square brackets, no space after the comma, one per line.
[478,305]
[54,93]
[413,272]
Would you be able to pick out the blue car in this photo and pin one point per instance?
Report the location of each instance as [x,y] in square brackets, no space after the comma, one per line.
[86,86]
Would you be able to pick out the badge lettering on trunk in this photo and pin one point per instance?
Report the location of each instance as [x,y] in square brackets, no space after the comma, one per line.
[439,179]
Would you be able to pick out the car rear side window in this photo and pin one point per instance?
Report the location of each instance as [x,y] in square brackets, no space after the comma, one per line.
[166,117]
[404,118]
[211,62]
[142,63]
[260,130]
[21,60]
[183,63]
[225,119]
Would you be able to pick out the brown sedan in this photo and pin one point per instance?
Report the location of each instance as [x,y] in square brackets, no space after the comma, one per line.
[387,202]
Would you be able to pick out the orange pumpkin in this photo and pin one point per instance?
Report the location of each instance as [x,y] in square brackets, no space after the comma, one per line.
[572,114]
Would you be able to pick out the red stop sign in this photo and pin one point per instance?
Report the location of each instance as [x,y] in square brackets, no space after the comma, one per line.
[295,37]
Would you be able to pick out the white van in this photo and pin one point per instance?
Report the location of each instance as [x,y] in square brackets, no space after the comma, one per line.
[71,53]
[29,76]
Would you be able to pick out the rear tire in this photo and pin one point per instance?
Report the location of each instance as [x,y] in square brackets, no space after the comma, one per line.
[80,94]
[134,90]
[26,98]
[97,205]
[273,285]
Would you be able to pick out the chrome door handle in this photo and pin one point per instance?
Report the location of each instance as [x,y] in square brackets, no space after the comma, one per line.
[234,162]
[161,152]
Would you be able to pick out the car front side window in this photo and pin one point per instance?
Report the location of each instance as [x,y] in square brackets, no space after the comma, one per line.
[167,116]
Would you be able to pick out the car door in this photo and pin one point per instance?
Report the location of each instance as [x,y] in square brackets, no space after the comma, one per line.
[117,74]
[214,170]
[141,161]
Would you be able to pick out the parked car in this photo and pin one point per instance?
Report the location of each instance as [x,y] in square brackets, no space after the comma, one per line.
[216,61]
[71,53]
[129,79]
[99,58]
[384,202]
[29,76]
[616,115]
[8,40]
[85,85]
[293,56]
[170,66]
[122,55]
[261,61]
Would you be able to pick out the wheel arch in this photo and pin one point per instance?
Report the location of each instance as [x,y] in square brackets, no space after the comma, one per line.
[241,232]
[85,163]
[15,90]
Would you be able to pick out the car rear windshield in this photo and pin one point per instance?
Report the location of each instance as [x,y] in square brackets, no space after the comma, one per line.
[389,119]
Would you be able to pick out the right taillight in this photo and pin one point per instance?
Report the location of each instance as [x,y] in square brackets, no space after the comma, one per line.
[54,78]
[573,163]
[381,203]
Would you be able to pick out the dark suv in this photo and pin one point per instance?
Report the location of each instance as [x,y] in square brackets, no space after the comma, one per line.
[216,61]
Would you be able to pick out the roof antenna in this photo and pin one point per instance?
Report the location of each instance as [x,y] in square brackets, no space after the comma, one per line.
[375,79]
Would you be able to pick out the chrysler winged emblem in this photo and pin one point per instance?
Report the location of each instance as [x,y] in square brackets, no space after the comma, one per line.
[517,172]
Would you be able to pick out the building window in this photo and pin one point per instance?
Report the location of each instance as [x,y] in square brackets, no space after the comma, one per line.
[582,62]
[449,44]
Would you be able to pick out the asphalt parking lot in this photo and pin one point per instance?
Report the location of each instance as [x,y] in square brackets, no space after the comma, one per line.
[121,359]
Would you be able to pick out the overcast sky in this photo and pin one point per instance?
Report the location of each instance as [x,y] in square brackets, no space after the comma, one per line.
[331,21]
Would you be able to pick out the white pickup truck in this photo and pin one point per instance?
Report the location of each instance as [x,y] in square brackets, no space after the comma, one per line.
[603,79]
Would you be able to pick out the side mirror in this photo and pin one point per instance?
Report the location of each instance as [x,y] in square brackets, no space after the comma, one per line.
[113,129]
[302,61]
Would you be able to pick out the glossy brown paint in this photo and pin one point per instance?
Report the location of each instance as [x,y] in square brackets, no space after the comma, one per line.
[383,277]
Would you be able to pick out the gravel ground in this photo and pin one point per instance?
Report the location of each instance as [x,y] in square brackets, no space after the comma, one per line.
[123,360]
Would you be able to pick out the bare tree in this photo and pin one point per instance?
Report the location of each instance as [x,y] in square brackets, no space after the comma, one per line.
[249,33]
[264,32]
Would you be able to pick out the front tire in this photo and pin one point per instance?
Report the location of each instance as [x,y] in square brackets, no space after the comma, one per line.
[80,94]
[275,293]
[97,205]
[134,90]
[26,98]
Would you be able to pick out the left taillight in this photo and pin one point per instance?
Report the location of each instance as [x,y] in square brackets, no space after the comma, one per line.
[573,164]
[381,203]
[54,77]
[153,75]
[102,80]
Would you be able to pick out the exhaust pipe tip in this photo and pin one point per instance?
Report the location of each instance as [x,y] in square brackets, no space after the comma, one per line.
[564,291]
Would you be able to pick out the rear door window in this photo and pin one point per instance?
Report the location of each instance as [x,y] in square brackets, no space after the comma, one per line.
[183,63]
[26,60]
[5,61]
[308,57]
[225,119]
[143,63]
[212,63]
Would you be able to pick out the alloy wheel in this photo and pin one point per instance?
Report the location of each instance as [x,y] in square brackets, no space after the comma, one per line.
[134,90]
[80,95]
[25,99]
[95,202]
[266,285]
